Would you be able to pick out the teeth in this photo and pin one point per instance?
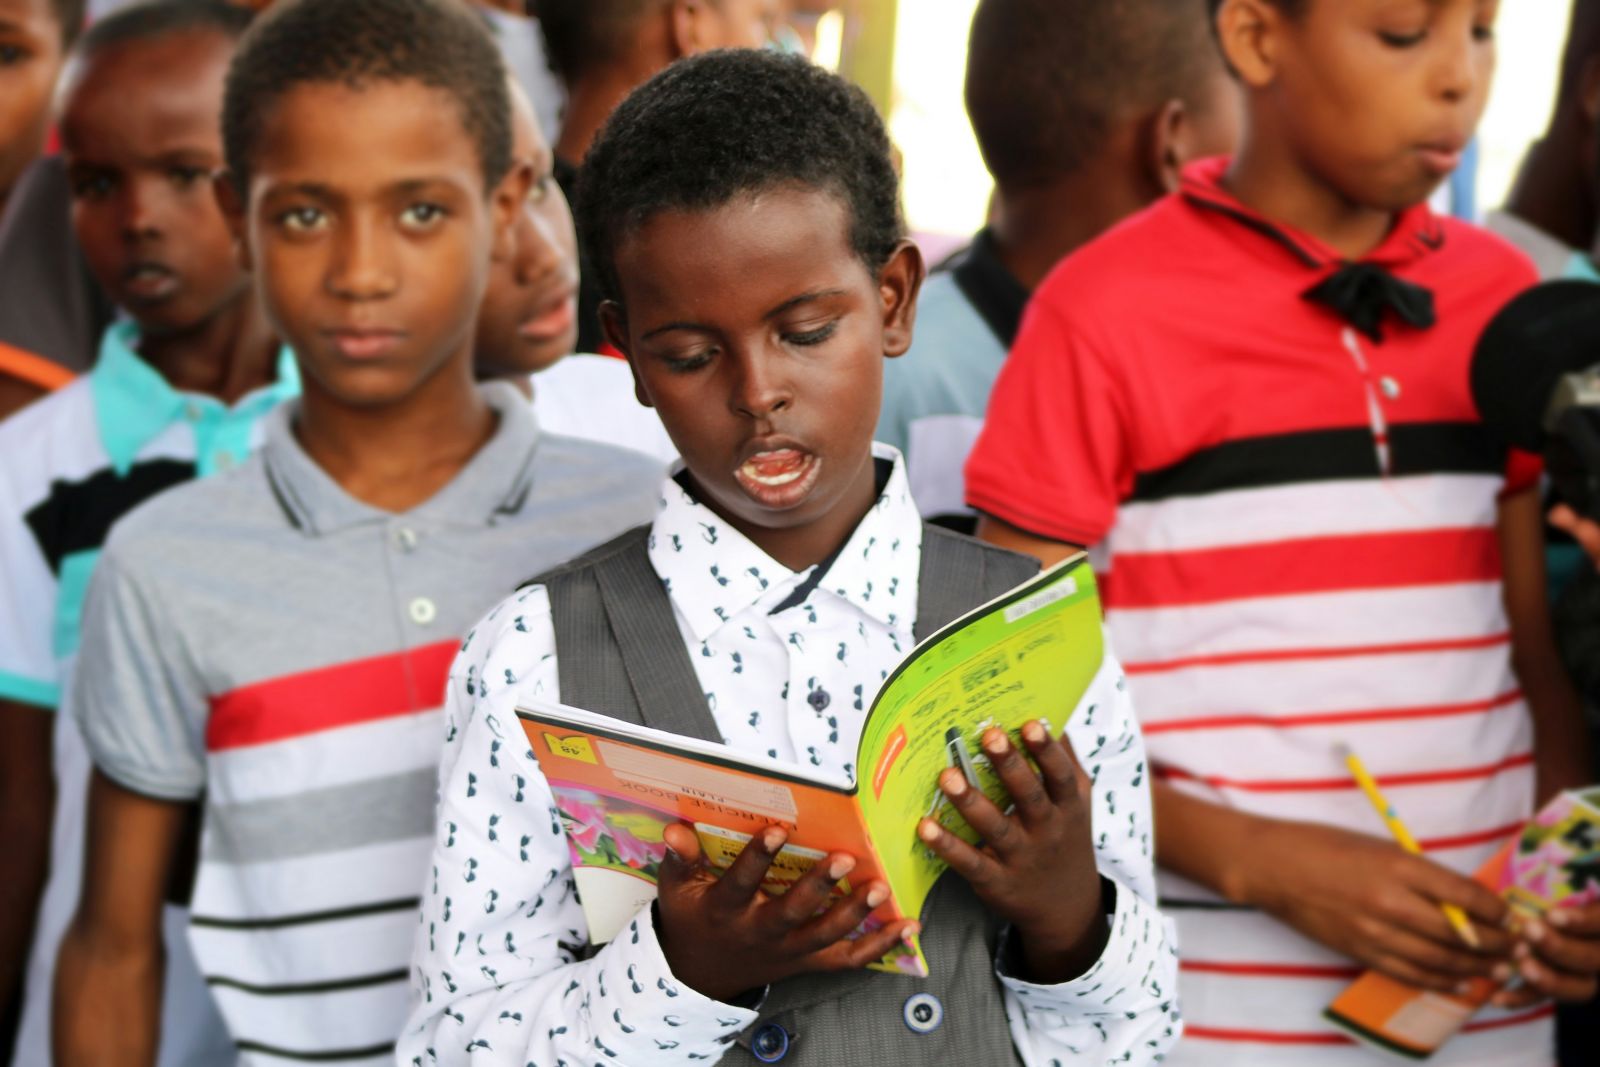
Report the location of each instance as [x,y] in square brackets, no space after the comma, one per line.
[771,479]
[753,470]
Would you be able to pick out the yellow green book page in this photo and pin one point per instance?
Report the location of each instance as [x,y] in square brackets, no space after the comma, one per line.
[1031,657]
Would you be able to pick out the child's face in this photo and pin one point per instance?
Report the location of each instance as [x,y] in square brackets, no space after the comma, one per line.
[141,135]
[31,54]
[1377,98]
[529,318]
[758,334]
[371,234]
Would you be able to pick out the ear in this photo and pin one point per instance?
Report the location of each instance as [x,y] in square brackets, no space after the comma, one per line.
[1249,32]
[688,27]
[1167,145]
[614,326]
[226,191]
[899,282]
[507,201]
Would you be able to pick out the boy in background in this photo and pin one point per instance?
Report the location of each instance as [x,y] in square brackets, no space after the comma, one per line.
[745,215]
[178,392]
[35,37]
[602,50]
[1253,400]
[1085,112]
[275,639]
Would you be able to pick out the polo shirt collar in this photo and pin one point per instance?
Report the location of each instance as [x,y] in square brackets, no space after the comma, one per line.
[991,289]
[495,481]
[133,403]
[713,572]
[1417,231]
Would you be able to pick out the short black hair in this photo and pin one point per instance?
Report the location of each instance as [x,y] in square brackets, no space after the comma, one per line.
[152,19]
[1583,44]
[1293,7]
[583,35]
[69,16]
[722,124]
[1047,80]
[441,43]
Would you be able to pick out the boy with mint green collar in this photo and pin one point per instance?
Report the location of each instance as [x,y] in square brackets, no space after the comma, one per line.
[178,392]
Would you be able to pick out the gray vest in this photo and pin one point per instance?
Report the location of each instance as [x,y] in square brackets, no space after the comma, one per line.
[620,653]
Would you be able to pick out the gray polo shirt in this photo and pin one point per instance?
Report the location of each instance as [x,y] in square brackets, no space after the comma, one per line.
[266,640]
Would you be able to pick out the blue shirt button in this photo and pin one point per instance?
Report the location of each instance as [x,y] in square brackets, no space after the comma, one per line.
[923,1013]
[770,1043]
[819,699]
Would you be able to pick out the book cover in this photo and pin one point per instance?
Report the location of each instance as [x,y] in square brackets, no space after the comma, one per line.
[1027,655]
[1553,862]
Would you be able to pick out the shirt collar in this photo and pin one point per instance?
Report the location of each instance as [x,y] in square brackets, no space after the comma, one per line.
[991,289]
[712,572]
[133,402]
[1417,231]
[495,482]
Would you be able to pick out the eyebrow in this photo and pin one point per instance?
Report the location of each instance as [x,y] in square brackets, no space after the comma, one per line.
[787,305]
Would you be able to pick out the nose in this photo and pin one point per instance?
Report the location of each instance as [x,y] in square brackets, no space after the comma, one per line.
[363,265]
[1463,63]
[538,256]
[760,388]
[143,209]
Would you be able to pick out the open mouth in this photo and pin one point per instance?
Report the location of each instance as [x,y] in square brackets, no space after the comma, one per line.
[779,478]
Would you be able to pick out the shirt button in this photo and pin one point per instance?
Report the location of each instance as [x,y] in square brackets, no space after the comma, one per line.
[770,1043]
[1389,387]
[819,699]
[923,1013]
[405,538]
[423,611]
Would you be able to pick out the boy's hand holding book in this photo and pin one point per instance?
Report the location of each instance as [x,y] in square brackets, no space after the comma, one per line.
[1557,958]
[725,936]
[1035,867]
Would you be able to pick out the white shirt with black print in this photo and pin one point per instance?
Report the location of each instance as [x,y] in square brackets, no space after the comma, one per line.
[496,978]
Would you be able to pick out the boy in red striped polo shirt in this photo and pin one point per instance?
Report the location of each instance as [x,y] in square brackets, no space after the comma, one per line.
[1253,398]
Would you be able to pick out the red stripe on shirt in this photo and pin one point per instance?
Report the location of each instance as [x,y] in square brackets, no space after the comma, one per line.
[1269,1037]
[1329,718]
[1494,835]
[1278,655]
[344,694]
[1306,565]
[1311,785]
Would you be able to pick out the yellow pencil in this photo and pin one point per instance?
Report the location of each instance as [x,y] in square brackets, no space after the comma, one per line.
[1391,819]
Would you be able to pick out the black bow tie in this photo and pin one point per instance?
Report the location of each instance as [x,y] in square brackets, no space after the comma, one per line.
[1360,293]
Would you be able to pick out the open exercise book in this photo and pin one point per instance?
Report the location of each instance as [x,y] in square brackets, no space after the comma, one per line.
[1029,654]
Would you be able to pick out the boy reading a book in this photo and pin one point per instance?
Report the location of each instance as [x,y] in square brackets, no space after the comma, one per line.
[272,643]
[1253,398]
[745,214]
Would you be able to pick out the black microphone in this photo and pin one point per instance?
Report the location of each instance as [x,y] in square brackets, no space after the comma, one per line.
[1536,383]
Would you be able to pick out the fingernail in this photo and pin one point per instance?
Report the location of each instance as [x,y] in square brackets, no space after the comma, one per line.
[955,783]
[840,867]
[1522,951]
[1033,733]
[994,743]
[928,830]
[1463,988]
[772,839]
[909,932]
[1530,970]
[1502,973]
[1557,918]
[1534,931]
[877,896]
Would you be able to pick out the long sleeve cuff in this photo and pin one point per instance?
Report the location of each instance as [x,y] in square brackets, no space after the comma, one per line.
[645,1015]
[1136,971]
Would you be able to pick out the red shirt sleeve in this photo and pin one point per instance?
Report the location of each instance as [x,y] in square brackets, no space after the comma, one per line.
[1053,456]
[1523,471]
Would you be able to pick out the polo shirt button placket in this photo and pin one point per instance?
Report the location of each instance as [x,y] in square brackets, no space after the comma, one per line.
[405,539]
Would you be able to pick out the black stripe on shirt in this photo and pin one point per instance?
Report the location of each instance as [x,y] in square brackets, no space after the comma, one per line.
[277,922]
[1324,455]
[296,989]
[77,516]
[333,1055]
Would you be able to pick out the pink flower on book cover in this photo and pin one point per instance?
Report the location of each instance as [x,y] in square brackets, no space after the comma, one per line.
[586,823]
[636,853]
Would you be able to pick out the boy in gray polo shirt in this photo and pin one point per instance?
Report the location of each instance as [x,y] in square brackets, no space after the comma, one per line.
[276,640]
